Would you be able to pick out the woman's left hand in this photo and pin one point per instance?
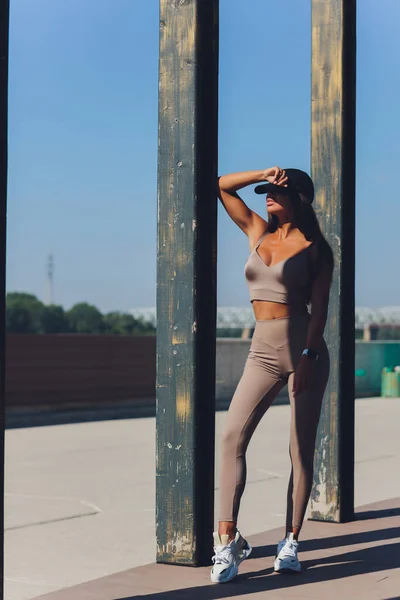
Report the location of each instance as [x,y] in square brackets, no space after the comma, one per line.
[303,375]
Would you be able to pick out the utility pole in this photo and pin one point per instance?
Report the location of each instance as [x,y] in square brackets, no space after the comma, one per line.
[50,278]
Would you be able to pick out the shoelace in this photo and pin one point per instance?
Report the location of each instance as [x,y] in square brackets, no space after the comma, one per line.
[222,556]
[289,549]
[280,545]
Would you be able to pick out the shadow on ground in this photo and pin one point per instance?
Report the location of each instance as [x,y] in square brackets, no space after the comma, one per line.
[43,416]
[16,418]
[382,558]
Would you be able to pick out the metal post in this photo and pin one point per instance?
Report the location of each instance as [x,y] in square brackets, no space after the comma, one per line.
[4,27]
[186,280]
[333,170]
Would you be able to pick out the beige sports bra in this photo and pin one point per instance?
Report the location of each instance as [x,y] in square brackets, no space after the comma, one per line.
[286,282]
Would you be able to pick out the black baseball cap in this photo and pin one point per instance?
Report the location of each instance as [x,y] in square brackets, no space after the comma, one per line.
[299,182]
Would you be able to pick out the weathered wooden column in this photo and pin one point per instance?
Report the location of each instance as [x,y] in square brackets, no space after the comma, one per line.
[4,24]
[186,280]
[333,171]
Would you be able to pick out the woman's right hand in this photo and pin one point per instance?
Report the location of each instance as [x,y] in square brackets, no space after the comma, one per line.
[276,175]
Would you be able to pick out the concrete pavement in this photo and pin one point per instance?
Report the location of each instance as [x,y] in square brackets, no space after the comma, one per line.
[80,498]
[360,559]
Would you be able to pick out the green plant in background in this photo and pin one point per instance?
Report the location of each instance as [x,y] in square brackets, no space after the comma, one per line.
[54,320]
[27,314]
[118,323]
[85,318]
[23,313]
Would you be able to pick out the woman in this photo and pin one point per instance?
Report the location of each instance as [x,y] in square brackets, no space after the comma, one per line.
[289,268]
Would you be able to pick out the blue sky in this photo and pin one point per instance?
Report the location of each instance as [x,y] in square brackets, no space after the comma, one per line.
[83,141]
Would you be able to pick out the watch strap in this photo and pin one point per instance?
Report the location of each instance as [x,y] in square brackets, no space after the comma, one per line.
[310,353]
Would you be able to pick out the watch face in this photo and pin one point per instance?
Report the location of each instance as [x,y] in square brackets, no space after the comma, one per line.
[311,353]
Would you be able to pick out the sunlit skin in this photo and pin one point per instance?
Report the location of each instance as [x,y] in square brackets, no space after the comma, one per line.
[285,242]
[280,245]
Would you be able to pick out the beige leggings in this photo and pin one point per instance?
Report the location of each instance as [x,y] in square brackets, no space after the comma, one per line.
[274,353]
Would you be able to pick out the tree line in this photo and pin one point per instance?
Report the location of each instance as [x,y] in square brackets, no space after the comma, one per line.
[25,313]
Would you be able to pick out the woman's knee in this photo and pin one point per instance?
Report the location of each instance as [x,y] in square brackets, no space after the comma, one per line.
[232,440]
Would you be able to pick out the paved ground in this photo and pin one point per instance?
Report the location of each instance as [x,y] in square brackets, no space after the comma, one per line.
[360,559]
[80,498]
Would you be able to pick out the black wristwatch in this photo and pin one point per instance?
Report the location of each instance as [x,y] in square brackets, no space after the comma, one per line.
[311,353]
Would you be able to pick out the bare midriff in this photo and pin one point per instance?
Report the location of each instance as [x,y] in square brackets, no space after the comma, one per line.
[264,310]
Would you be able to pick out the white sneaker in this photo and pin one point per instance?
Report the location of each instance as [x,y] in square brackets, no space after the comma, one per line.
[286,557]
[228,556]
[280,546]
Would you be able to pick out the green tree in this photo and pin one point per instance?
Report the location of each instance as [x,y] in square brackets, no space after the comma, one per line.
[26,314]
[85,318]
[144,328]
[23,313]
[118,323]
[54,320]
[19,320]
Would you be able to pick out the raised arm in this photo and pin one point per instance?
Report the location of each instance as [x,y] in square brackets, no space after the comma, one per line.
[249,221]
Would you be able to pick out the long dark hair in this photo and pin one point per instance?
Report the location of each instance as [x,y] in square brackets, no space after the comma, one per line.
[306,220]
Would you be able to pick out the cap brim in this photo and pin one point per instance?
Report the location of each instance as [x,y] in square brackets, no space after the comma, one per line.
[271,187]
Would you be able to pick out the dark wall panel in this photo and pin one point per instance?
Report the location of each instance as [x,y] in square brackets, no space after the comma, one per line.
[62,369]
